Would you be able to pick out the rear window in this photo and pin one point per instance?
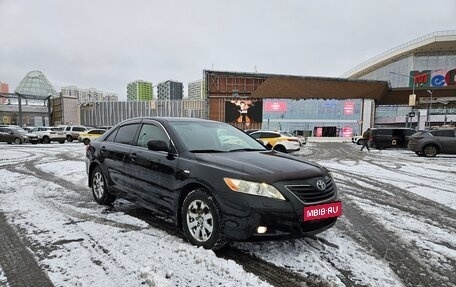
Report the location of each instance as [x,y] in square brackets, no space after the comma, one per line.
[382,132]
[126,134]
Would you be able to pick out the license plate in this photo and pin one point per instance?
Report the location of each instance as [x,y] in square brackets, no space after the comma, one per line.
[327,210]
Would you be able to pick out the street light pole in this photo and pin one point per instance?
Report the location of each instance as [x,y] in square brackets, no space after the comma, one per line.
[429,110]
[412,97]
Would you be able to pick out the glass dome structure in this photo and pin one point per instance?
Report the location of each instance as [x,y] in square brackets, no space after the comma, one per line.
[35,84]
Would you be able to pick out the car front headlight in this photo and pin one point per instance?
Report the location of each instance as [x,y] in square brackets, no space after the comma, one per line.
[254,188]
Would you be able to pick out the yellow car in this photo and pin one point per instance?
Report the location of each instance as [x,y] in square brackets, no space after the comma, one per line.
[277,141]
[90,135]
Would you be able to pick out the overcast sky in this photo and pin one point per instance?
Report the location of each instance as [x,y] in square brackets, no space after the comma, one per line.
[107,44]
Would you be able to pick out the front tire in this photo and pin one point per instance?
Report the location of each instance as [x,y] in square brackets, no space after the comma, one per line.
[280,148]
[202,221]
[46,140]
[69,138]
[17,141]
[100,188]
[86,141]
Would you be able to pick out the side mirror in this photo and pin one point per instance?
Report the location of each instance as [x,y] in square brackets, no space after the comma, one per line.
[158,145]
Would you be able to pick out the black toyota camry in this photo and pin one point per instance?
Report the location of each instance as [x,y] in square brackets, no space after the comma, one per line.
[216,182]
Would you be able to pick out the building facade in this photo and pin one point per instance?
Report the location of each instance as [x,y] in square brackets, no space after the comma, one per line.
[29,104]
[88,95]
[4,88]
[170,90]
[196,90]
[425,68]
[140,91]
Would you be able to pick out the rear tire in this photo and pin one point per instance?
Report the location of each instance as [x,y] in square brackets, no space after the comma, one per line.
[430,151]
[86,141]
[69,138]
[202,221]
[46,140]
[61,142]
[100,188]
[418,153]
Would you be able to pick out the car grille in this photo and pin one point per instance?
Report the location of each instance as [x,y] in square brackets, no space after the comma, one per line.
[308,193]
[316,224]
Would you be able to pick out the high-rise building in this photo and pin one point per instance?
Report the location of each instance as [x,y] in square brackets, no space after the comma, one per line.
[88,95]
[196,90]
[170,90]
[140,91]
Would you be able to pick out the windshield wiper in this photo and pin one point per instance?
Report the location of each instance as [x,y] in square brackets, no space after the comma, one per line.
[246,149]
[206,150]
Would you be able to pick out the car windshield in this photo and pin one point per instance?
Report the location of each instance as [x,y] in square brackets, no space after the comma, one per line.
[214,137]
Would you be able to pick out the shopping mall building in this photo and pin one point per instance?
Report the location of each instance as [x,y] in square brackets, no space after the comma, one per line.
[412,85]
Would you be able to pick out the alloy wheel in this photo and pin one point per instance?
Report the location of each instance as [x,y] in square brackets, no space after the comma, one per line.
[200,221]
[430,151]
[98,185]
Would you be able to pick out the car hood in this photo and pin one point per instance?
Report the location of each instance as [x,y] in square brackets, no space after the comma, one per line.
[266,166]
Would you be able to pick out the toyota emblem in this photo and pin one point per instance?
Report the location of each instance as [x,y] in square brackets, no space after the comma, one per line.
[321,185]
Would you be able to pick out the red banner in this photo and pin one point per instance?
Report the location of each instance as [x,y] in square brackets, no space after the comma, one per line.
[348,108]
[275,106]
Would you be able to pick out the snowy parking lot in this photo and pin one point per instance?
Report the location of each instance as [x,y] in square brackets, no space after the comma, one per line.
[398,228]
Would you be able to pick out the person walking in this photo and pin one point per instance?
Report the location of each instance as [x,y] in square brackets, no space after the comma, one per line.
[366,139]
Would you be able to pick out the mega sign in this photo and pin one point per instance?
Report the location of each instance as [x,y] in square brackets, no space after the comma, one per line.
[433,78]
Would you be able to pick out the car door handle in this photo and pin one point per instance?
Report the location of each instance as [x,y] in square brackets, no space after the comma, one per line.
[103,149]
[133,156]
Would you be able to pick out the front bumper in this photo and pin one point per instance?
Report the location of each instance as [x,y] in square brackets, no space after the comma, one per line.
[283,219]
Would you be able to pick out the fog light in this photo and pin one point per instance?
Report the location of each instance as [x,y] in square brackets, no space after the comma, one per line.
[262,229]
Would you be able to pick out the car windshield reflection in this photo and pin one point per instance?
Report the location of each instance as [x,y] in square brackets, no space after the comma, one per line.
[214,137]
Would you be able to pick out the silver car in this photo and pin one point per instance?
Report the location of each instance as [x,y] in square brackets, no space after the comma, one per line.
[429,143]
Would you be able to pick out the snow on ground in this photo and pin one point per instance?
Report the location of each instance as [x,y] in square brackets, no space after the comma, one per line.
[87,253]
[3,281]
[427,177]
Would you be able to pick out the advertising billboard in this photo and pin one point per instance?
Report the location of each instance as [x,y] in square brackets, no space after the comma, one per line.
[244,111]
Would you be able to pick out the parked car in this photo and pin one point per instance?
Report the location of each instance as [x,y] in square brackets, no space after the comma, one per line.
[277,141]
[49,134]
[90,135]
[301,140]
[215,191]
[359,140]
[382,138]
[72,132]
[249,131]
[429,143]
[17,135]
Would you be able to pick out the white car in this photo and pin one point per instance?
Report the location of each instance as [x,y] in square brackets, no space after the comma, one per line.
[357,140]
[302,140]
[277,141]
[49,134]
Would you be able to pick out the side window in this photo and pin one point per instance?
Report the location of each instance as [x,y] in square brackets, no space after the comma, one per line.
[256,135]
[150,132]
[79,129]
[111,136]
[443,133]
[126,134]
[68,129]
